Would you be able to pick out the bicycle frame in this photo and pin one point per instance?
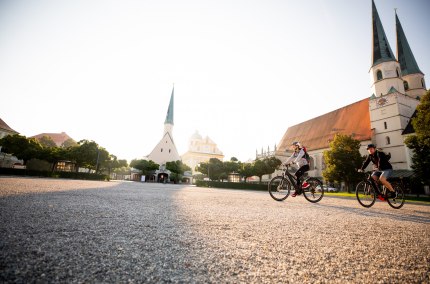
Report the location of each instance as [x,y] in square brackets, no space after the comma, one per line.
[292,179]
[376,185]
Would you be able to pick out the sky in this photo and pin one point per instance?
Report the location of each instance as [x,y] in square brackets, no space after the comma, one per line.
[243,70]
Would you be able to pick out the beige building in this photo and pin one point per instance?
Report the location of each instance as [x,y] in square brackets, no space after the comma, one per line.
[200,150]
[383,119]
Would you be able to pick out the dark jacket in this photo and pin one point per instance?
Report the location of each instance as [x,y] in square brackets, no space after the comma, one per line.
[379,160]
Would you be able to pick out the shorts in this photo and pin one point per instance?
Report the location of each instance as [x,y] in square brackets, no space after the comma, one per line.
[386,173]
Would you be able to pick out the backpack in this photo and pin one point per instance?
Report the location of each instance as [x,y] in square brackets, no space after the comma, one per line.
[388,155]
[306,155]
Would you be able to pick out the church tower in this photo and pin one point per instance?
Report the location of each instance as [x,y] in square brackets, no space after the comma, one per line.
[385,70]
[390,106]
[166,151]
[413,78]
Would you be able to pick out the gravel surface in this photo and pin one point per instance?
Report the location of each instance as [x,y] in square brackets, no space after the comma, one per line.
[57,231]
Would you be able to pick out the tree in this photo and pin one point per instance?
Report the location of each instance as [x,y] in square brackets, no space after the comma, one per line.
[420,142]
[46,141]
[69,143]
[20,146]
[145,166]
[246,170]
[342,160]
[177,168]
[213,169]
[266,166]
[85,155]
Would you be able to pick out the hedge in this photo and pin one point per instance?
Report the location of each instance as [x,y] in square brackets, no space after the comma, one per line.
[231,185]
[69,175]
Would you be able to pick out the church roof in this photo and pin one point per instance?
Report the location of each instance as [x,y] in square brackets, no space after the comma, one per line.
[406,58]
[316,133]
[4,126]
[58,138]
[381,48]
[409,127]
[169,115]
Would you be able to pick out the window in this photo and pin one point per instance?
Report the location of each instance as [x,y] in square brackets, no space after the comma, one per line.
[378,75]
[406,85]
[387,140]
[161,149]
[385,125]
[169,150]
[398,73]
[423,83]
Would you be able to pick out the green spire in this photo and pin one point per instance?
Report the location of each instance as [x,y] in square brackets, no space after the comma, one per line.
[381,48]
[408,65]
[169,115]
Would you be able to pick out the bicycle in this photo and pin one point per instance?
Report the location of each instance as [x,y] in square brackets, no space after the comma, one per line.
[368,190]
[280,187]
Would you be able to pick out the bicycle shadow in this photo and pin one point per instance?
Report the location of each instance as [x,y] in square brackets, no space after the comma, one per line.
[376,212]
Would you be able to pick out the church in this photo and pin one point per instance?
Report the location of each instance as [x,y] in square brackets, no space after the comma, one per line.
[383,118]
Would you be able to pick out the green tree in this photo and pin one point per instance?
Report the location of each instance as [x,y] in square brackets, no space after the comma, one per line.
[177,168]
[46,141]
[85,154]
[213,169]
[342,160]
[21,147]
[145,166]
[266,166]
[246,170]
[69,143]
[420,142]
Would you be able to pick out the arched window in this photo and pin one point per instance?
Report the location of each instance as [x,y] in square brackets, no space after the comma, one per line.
[161,149]
[423,83]
[398,72]
[406,85]
[385,125]
[387,140]
[378,75]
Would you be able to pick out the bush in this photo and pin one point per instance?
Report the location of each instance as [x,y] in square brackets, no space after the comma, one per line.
[231,185]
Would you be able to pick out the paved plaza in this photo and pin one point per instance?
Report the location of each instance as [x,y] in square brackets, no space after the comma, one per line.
[68,231]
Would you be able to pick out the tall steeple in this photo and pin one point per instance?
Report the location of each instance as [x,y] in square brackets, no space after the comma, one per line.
[169,115]
[413,78]
[385,72]
[381,48]
[166,151]
[405,56]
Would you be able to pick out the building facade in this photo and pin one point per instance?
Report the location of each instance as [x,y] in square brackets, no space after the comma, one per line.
[396,87]
[200,150]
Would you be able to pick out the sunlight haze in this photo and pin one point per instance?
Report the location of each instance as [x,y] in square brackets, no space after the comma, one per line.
[243,71]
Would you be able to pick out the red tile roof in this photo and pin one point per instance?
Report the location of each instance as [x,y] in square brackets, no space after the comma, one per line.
[59,138]
[6,127]
[316,133]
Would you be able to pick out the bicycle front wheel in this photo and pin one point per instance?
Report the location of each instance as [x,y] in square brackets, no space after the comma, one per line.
[279,188]
[315,191]
[398,201]
[365,194]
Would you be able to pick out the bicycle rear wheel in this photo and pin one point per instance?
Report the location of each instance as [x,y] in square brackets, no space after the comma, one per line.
[279,188]
[365,194]
[315,191]
[397,202]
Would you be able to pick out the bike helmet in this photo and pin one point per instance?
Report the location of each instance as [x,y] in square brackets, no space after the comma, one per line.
[296,143]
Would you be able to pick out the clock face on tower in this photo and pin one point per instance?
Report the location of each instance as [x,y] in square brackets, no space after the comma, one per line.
[382,101]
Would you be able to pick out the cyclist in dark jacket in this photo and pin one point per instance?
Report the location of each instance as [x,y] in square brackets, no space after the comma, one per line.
[382,168]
